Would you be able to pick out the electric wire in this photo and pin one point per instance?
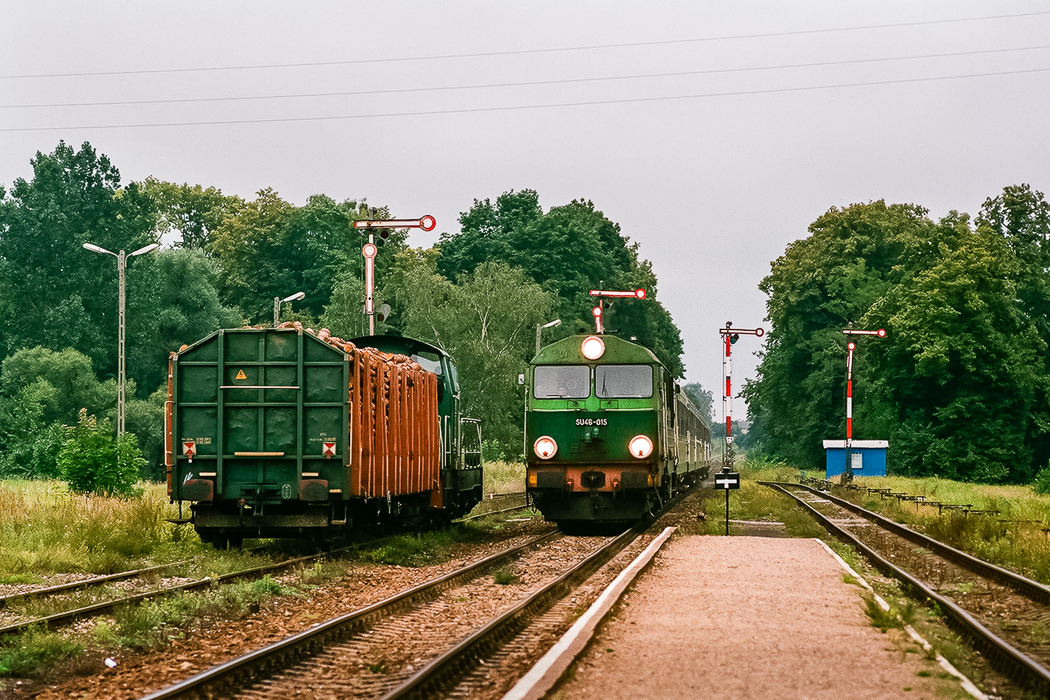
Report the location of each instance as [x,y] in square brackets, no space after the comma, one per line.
[531,83]
[522,52]
[512,108]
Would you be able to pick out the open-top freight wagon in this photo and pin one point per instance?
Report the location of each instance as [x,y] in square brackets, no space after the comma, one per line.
[287,433]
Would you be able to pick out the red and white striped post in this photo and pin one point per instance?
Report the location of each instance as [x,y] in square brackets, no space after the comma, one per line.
[729,336]
[847,472]
[369,250]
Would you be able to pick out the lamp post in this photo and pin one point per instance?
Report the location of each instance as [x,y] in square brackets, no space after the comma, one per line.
[539,329]
[277,301]
[122,262]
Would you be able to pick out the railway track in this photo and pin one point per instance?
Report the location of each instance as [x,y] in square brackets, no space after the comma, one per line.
[1003,613]
[14,623]
[456,636]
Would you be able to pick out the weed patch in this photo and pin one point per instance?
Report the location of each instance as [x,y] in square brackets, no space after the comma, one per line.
[35,651]
[505,577]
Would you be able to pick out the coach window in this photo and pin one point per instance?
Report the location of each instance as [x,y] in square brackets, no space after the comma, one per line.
[561,382]
[623,381]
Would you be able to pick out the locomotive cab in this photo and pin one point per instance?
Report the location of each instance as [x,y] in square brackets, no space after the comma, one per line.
[602,431]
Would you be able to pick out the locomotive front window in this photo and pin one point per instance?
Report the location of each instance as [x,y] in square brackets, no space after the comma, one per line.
[561,382]
[623,381]
[430,361]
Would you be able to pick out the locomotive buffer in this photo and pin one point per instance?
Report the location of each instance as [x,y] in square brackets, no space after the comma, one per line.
[727,480]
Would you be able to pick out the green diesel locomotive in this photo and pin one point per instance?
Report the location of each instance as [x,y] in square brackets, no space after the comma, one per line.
[609,433]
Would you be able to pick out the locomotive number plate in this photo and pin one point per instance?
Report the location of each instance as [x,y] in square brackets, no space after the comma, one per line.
[592,421]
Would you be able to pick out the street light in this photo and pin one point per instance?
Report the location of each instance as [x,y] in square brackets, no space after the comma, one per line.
[539,329]
[122,262]
[277,301]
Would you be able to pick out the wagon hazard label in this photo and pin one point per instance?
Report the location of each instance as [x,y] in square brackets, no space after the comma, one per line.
[241,374]
[328,449]
[189,448]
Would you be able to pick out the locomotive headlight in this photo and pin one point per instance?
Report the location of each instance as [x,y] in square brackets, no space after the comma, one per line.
[545,447]
[640,446]
[593,347]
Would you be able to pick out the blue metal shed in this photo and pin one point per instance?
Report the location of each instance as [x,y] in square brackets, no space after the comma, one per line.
[868,457]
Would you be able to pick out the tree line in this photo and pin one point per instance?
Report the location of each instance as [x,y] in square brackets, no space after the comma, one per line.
[960,384]
[478,293]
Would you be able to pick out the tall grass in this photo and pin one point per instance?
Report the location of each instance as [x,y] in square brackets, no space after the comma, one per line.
[45,529]
[1015,538]
[504,477]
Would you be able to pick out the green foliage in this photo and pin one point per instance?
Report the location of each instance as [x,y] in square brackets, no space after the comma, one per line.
[62,382]
[91,461]
[567,251]
[955,387]
[33,652]
[193,211]
[269,248]
[64,295]
[485,322]
[1042,481]
[505,577]
[881,618]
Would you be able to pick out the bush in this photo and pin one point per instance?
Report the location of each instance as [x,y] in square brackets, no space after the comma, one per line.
[1042,481]
[91,461]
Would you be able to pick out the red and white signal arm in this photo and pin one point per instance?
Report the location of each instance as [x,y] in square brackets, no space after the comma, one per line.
[328,449]
[189,448]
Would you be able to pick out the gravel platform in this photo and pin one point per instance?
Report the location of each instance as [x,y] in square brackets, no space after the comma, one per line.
[749,617]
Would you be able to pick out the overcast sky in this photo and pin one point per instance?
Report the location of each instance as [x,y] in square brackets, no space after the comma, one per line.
[713,133]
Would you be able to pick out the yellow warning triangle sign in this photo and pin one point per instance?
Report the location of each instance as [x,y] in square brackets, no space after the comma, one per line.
[241,375]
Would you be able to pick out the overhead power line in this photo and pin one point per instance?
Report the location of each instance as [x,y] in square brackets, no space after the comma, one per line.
[532,83]
[521,52]
[515,108]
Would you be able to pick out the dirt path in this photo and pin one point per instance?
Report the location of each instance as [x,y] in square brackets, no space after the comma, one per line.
[749,617]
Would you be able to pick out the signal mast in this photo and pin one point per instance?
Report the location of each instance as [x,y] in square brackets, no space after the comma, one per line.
[729,336]
[847,471]
[602,294]
[369,250]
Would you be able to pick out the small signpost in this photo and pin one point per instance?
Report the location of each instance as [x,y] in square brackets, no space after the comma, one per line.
[727,480]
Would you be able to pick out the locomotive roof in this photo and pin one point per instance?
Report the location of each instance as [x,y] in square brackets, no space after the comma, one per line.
[617,351]
[396,343]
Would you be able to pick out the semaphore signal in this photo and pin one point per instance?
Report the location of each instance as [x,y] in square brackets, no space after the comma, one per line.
[847,472]
[729,336]
[369,251]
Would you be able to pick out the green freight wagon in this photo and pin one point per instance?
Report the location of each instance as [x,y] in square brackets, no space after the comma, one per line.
[286,433]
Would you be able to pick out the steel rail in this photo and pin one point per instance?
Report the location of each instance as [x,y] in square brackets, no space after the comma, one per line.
[440,672]
[437,674]
[93,581]
[85,583]
[1030,589]
[220,680]
[51,621]
[1000,653]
